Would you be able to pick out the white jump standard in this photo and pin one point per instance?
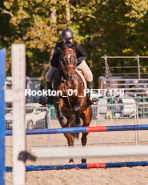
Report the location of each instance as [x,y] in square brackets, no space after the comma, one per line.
[17,96]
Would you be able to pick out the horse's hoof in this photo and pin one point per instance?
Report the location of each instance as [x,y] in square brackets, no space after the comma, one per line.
[83,160]
[77,108]
[79,124]
[62,120]
[71,161]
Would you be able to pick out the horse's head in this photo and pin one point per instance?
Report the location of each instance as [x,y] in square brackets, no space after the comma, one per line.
[68,62]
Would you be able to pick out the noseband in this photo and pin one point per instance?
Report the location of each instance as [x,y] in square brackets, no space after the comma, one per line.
[70,66]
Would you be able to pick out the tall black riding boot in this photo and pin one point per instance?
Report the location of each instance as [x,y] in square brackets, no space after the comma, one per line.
[44,100]
[49,98]
[89,86]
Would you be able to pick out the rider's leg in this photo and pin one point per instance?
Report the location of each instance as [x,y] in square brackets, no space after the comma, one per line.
[49,77]
[86,70]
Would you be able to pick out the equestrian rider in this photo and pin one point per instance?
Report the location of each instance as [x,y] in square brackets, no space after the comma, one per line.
[68,42]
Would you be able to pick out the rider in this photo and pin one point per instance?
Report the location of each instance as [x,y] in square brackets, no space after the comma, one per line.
[68,42]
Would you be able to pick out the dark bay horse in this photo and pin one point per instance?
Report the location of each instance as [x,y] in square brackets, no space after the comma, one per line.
[72,108]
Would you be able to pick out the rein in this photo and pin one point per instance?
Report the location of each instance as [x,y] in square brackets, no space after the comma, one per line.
[67,95]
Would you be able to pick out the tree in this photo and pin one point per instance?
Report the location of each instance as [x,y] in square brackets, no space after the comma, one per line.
[112,27]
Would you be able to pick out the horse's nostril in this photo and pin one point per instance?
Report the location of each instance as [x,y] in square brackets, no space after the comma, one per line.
[69,75]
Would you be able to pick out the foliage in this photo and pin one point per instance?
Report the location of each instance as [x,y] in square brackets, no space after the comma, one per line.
[111,27]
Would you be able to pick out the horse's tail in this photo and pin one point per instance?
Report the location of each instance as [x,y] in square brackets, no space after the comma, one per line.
[74,135]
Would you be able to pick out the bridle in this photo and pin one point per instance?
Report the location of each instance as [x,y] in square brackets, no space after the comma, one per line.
[70,65]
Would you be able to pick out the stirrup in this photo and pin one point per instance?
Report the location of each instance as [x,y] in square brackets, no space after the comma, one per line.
[43,100]
[46,100]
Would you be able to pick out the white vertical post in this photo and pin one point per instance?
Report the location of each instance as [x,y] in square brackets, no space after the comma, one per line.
[49,126]
[18,73]
[137,115]
[135,122]
[138,67]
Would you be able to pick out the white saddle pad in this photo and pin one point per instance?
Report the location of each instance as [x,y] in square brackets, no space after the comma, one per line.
[82,77]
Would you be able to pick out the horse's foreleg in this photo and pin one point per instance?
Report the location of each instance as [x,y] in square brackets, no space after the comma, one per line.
[84,138]
[84,141]
[79,121]
[70,143]
[86,116]
[62,119]
[69,139]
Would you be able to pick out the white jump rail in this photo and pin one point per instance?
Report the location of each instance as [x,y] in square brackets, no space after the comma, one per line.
[91,152]
[17,96]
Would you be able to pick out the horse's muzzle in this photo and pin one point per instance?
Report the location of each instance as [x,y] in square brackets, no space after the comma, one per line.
[69,76]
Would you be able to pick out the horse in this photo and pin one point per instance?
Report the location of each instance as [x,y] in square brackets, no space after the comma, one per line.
[72,110]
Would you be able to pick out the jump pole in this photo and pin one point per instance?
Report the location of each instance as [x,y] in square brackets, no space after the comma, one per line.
[84,166]
[2,114]
[17,96]
[83,129]
[91,152]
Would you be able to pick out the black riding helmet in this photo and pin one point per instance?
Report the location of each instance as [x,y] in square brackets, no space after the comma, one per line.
[67,34]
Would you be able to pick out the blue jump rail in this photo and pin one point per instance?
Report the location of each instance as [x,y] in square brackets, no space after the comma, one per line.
[83,129]
[84,166]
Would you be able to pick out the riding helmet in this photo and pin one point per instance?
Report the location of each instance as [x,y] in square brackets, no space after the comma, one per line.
[67,34]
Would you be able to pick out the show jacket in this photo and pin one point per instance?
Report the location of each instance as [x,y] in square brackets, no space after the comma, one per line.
[80,53]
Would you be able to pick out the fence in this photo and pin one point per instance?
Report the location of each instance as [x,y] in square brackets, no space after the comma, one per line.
[46,118]
[132,116]
[129,104]
[35,118]
[100,112]
[97,138]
